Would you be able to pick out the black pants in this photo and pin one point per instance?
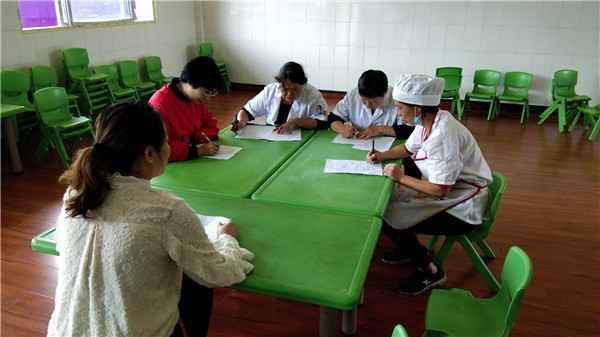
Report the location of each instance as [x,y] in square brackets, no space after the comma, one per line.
[195,308]
[439,224]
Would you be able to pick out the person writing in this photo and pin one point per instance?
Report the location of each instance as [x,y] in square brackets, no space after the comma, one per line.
[451,197]
[368,110]
[190,126]
[289,103]
[123,245]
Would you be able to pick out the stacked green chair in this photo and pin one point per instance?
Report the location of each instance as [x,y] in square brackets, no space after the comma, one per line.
[516,89]
[206,49]
[456,312]
[591,116]
[129,78]
[116,92]
[153,69]
[15,86]
[52,106]
[452,81]
[399,331]
[91,88]
[44,77]
[485,83]
[477,235]
[564,98]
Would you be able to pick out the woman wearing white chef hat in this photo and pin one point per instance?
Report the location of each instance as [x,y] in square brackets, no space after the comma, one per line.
[451,197]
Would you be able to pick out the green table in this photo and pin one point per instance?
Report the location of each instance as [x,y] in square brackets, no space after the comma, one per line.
[239,176]
[301,180]
[315,256]
[7,112]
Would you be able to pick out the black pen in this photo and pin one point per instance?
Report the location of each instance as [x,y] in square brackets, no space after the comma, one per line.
[373,147]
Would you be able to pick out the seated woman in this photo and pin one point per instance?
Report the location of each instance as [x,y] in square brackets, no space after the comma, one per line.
[291,102]
[452,196]
[124,246]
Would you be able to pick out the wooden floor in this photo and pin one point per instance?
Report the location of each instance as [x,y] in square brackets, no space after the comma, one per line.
[551,209]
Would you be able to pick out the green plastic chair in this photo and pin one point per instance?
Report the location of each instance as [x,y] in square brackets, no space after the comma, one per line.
[399,331]
[206,49]
[565,100]
[516,89]
[485,83]
[591,116]
[129,78]
[45,77]
[117,93]
[441,71]
[477,235]
[153,69]
[52,106]
[15,86]
[456,312]
[452,90]
[91,88]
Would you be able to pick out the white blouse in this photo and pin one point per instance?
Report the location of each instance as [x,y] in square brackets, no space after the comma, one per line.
[120,272]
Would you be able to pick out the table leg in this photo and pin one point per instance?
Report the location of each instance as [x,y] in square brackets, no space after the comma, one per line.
[349,322]
[327,322]
[9,136]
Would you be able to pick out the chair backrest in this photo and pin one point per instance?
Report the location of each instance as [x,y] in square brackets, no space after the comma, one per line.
[153,67]
[52,105]
[517,84]
[43,77]
[128,72]
[563,83]
[486,81]
[497,188]
[451,82]
[75,61]
[206,49]
[516,275]
[399,331]
[111,71]
[15,87]
[448,71]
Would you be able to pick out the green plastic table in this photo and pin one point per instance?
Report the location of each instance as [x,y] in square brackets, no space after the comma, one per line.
[301,180]
[301,253]
[7,111]
[239,176]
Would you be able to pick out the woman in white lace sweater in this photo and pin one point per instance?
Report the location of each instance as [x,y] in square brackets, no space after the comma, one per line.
[123,245]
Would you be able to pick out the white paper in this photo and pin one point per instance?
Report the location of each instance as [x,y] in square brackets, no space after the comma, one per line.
[381,143]
[352,166]
[251,131]
[225,152]
[210,224]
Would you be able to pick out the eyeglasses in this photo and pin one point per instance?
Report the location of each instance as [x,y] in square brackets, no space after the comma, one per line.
[210,93]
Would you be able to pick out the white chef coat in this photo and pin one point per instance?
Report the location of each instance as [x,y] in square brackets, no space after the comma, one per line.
[309,105]
[448,156]
[351,108]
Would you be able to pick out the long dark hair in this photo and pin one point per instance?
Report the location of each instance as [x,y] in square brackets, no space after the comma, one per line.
[123,132]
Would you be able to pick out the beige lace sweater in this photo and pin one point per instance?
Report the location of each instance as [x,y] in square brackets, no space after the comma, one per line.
[120,272]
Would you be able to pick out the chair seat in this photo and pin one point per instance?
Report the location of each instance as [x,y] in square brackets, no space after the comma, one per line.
[578,98]
[481,96]
[89,78]
[74,122]
[511,98]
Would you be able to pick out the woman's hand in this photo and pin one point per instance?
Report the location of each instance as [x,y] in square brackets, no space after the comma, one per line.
[227,228]
[374,157]
[208,149]
[288,126]
[369,132]
[394,172]
[240,121]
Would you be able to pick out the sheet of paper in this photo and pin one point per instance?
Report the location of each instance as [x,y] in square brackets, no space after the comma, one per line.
[210,224]
[352,166]
[251,131]
[381,143]
[225,152]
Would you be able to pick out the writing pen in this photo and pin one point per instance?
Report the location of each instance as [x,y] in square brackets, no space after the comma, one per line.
[373,147]
[210,141]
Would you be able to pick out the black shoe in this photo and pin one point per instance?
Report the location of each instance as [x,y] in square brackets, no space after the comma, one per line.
[395,257]
[420,282]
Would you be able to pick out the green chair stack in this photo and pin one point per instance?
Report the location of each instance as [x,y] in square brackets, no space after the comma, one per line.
[129,78]
[206,49]
[452,81]
[52,106]
[591,116]
[116,92]
[485,83]
[45,77]
[15,86]
[91,88]
[153,69]
[477,235]
[516,89]
[564,98]
[456,312]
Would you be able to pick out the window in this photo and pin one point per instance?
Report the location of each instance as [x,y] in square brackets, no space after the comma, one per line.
[44,14]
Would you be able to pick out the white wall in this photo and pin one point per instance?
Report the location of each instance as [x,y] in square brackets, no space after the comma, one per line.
[337,41]
[172,37]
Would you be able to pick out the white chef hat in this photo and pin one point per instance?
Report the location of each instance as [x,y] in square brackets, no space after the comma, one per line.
[422,90]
